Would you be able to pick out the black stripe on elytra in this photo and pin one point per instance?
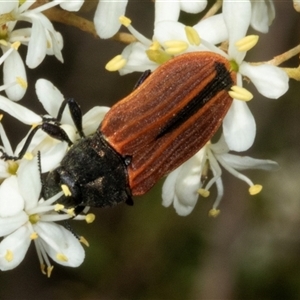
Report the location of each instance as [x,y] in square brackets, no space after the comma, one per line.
[221,81]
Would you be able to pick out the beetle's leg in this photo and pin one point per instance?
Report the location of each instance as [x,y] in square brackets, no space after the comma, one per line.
[5,156]
[51,129]
[143,77]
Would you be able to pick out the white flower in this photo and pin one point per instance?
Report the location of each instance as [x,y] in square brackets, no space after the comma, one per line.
[107,15]
[24,217]
[239,125]
[183,186]
[41,38]
[172,38]
[52,150]
[108,12]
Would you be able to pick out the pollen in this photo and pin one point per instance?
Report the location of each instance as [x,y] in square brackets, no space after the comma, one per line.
[255,189]
[240,93]
[58,207]
[204,193]
[71,212]
[246,43]
[214,212]
[158,56]
[9,256]
[43,267]
[115,64]
[49,271]
[175,47]
[61,257]
[28,156]
[90,218]
[66,190]
[155,46]
[15,45]
[33,236]
[124,21]
[22,82]
[84,241]
[192,35]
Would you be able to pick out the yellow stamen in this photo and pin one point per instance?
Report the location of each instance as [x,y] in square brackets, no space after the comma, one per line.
[124,21]
[71,212]
[246,43]
[240,93]
[34,236]
[22,82]
[61,257]
[28,156]
[255,189]
[115,64]
[9,256]
[214,212]
[90,218]
[155,46]
[66,190]
[204,193]
[1,117]
[158,56]
[15,45]
[175,47]
[49,271]
[192,35]
[84,241]
[58,207]
[43,267]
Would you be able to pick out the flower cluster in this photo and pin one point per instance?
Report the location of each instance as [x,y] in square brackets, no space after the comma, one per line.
[172,38]
[25,215]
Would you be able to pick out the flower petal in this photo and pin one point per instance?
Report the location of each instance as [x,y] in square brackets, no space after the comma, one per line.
[212,29]
[8,6]
[270,81]
[72,5]
[107,15]
[239,127]
[29,180]
[193,7]
[37,46]
[169,30]
[246,162]
[137,60]
[51,99]
[58,240]
[11,201]
[12,69]
[92,119]
[166,10]
[236,12]
[263,14]
[13,248]
[10,224]
[168,189]
[185,181]
[19,112]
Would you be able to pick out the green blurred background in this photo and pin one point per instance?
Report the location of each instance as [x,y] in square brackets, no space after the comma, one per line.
[250,251]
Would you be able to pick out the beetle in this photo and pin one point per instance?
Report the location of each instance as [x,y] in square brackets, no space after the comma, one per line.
[170,115]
